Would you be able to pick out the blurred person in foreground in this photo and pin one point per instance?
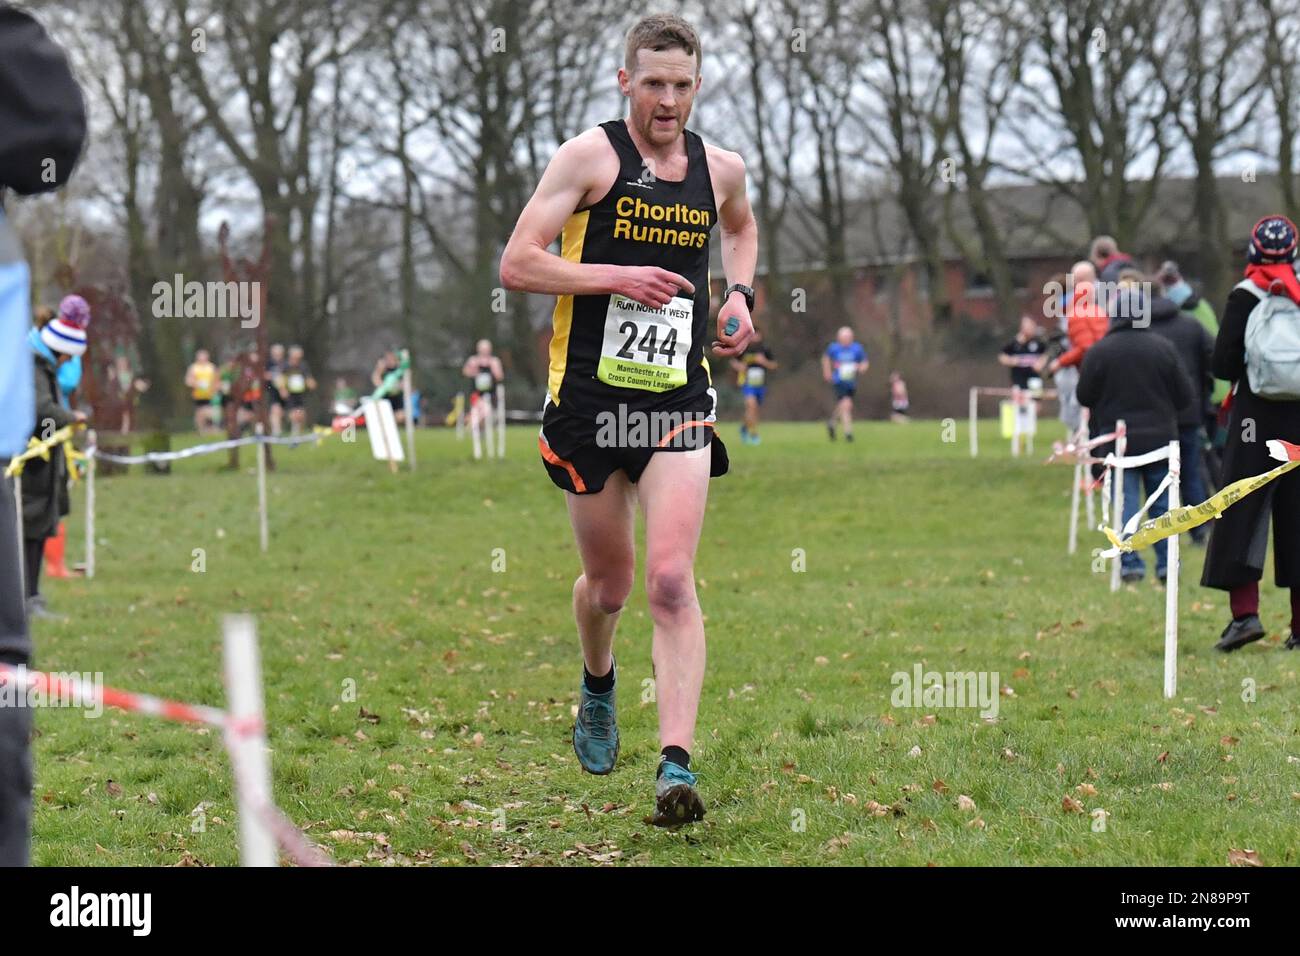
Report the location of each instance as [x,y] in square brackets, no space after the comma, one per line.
[42,129]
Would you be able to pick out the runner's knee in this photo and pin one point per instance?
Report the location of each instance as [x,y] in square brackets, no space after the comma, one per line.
[607,591]
[670,587]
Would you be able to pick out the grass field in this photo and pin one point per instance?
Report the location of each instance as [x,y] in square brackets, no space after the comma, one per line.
[456,748]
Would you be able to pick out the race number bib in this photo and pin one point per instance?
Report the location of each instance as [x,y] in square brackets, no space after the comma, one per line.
[754,375]
[483,381]
[297,383]
[848,371]
[646,348]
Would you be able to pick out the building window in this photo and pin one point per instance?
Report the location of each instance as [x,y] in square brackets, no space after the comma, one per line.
[978,286]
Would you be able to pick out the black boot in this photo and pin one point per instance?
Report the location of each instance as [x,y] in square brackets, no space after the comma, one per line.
[1292,642]
[1240,632]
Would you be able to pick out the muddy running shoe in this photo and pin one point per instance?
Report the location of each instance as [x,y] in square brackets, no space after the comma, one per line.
[676,801]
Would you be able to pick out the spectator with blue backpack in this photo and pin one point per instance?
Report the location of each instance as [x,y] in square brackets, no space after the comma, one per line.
[1258,347]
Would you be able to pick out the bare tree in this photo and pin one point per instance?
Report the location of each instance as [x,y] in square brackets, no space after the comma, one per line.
[1281,43]
[1212,95]
[1089,116]
[977,91]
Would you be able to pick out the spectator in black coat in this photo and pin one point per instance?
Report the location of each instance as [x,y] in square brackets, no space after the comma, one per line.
[1239,538]
[1134,375]
[1195,348]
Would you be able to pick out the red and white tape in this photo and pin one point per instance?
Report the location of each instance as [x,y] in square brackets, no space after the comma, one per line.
[291,839]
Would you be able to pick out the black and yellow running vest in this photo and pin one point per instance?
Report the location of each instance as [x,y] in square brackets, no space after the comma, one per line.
[607,349]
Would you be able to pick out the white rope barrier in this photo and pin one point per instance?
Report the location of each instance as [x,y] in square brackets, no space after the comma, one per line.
[291,441]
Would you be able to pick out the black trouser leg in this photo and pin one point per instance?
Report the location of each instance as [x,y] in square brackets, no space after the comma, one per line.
[15,722]
[34,558]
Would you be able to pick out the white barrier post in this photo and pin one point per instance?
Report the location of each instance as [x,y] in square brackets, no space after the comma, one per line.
[248,753]
[974,422]
[1074,509]
[501,421]
[1031,415]
[460,415]
[261,487]
[1087,470]
[1121,448]
[475,427]
[1171,578]
[22,545]
[1015,421]
[1090,512]
[488,417]
[90,504]
[410,416]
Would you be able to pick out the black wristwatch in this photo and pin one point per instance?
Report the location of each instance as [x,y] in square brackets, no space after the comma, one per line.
[744,290]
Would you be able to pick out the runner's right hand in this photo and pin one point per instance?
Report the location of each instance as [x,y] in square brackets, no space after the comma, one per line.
[651,286]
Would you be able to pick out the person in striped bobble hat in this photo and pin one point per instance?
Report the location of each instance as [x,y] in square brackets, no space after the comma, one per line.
[45,483]
[74,315]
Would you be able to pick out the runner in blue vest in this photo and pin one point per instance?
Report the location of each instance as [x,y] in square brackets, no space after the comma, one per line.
[843,361]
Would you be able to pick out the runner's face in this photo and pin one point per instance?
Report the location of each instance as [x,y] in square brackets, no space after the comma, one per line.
[660,93]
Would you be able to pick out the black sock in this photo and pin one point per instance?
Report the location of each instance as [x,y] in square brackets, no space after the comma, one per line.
[677,755]
[598,685]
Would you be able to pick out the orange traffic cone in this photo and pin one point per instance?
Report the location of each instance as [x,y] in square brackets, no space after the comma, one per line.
[54,566]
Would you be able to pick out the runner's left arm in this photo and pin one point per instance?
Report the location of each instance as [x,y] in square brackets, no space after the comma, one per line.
[739,250]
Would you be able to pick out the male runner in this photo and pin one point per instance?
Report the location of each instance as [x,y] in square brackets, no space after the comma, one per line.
[843,361]
[752,369]
[276,386]
[485,371]
[636,201]
[298,381]
[201,379]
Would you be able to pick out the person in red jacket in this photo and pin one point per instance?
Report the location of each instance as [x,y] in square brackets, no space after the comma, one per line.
[1087,319]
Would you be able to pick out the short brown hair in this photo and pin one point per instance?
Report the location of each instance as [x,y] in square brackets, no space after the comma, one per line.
[1103,246]
[662,31]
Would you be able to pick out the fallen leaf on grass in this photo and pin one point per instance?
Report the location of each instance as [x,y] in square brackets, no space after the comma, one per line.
[1087,789]
[1071,805]
[1243,858]
[965,803]
[838,843]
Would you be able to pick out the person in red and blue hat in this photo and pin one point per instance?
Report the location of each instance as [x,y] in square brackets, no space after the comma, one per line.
[1239,538]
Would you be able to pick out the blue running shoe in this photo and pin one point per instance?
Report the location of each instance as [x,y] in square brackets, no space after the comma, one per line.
[595,732]
[676,801]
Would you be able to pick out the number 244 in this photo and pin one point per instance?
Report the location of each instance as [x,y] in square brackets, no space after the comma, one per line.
[649,342]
